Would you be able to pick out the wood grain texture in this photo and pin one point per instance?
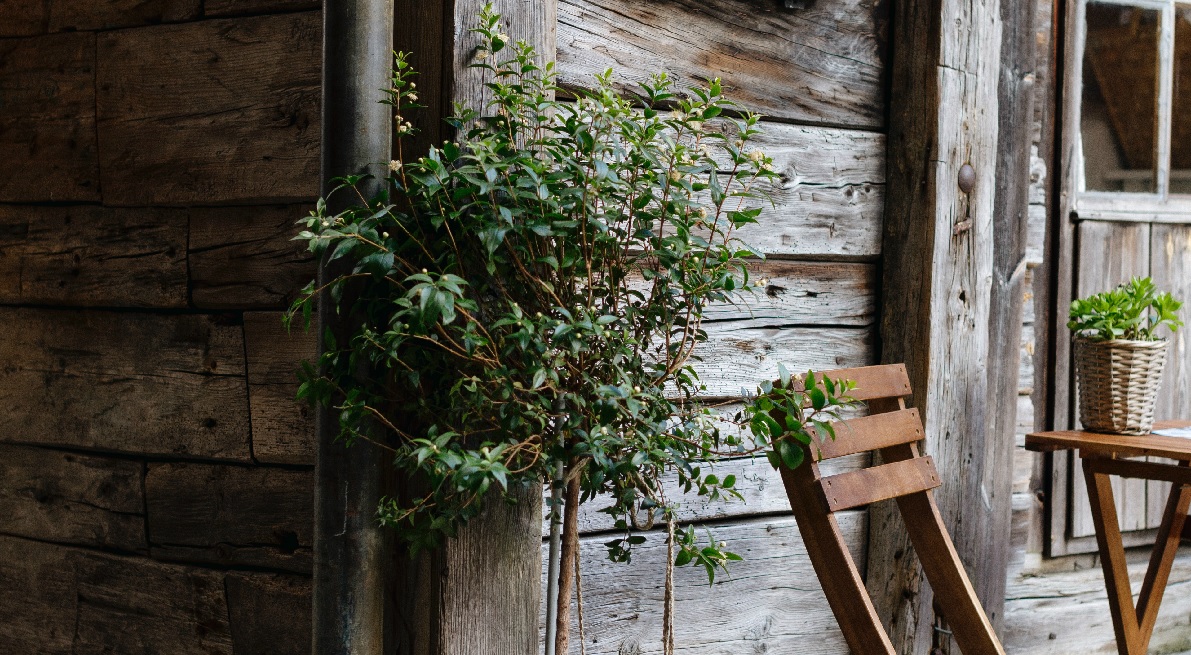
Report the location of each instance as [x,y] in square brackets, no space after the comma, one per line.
[25,18]
[803,293]
[246,258]
[938,262]
[756,480]
[769,603]
[1109,254]
[819,64]
[877,483]
[282,427]
[269,614]
[38,597]
[125,382]
[234,7]
[84,256]
[230,515]
[736,358]
[830,199]
[47,128]
[226,111]
[1064,611]
[71,498]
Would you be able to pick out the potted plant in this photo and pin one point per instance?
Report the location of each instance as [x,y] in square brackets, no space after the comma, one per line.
[1119,355]
[529,299]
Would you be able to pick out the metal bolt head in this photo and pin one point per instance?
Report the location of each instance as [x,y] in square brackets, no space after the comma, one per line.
[967,178]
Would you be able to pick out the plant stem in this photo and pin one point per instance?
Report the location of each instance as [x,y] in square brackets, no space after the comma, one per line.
[566,566]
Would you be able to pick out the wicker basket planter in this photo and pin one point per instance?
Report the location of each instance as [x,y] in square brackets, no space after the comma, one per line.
[1118,383]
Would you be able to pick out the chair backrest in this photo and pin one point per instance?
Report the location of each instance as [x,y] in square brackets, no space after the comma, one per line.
[903,474]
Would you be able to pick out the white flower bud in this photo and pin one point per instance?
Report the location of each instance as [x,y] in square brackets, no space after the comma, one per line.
[757,156]
[385,234]
[394,165]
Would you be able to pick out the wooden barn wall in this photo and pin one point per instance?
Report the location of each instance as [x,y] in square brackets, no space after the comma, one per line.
[155,472]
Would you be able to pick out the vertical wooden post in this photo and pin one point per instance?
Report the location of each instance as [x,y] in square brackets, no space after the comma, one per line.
[1015,108]
[480,593]
[938,306]
[349,553]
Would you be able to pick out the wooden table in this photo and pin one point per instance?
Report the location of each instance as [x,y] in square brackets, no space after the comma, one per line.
[1103,455]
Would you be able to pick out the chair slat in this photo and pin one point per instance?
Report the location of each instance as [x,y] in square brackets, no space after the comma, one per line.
[884,381]
[877,483]
[864,433]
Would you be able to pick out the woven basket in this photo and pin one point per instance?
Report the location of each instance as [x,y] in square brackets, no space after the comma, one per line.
[1118,384]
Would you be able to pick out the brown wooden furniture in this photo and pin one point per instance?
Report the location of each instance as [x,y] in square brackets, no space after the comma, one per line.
[1103,455]
[905,475]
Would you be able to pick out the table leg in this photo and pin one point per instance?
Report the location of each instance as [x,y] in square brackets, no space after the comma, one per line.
[1112,558]
[1167,544]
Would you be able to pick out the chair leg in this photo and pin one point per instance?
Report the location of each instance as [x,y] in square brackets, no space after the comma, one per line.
[1112,559]
[953,591]
[833,564]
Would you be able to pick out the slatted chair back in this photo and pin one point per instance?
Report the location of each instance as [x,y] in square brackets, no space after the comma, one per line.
[903,474]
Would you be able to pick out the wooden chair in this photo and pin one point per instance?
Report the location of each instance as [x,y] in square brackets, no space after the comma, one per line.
[905,475]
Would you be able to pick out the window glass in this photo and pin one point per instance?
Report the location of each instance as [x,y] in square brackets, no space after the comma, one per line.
[1180,136]
[1119,105]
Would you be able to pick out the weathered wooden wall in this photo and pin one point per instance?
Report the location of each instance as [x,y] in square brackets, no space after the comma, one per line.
[155,472]
[156,478]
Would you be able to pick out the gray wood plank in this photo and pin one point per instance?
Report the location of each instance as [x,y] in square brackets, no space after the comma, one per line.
[1170,266]
[126,382]
[282,427]
[769,603]
[231,515]
[819,64]
[84,255]
[246,258]
[47,128]
[248,130]
[72,498]
[803,293]
[737,357]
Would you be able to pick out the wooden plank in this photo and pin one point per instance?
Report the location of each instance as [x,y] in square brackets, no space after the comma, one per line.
[938,261]
[831,196]
[822,63]
[1170,266]
[269,614]
[1115,445]
[282,427]
[246,258]
[135,605]
[236,7]
[65,497]
[769,603]
[804,293]
[83,15]
[736,358]
[230,515]
[1128,468]
[38,597]
[124,382]
[756,480]
[23,18]
[249,130]
[877,483]
[867,433]
[878,382]
[48,123]
[82,255]
[1109,254]
[1064,610]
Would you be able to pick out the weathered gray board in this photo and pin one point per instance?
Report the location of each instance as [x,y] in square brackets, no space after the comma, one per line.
[820,63]
[769,603]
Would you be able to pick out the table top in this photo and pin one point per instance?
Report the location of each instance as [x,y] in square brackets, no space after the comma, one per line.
[1115,445]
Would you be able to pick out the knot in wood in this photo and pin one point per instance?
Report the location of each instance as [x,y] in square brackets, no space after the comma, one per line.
[967,178]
